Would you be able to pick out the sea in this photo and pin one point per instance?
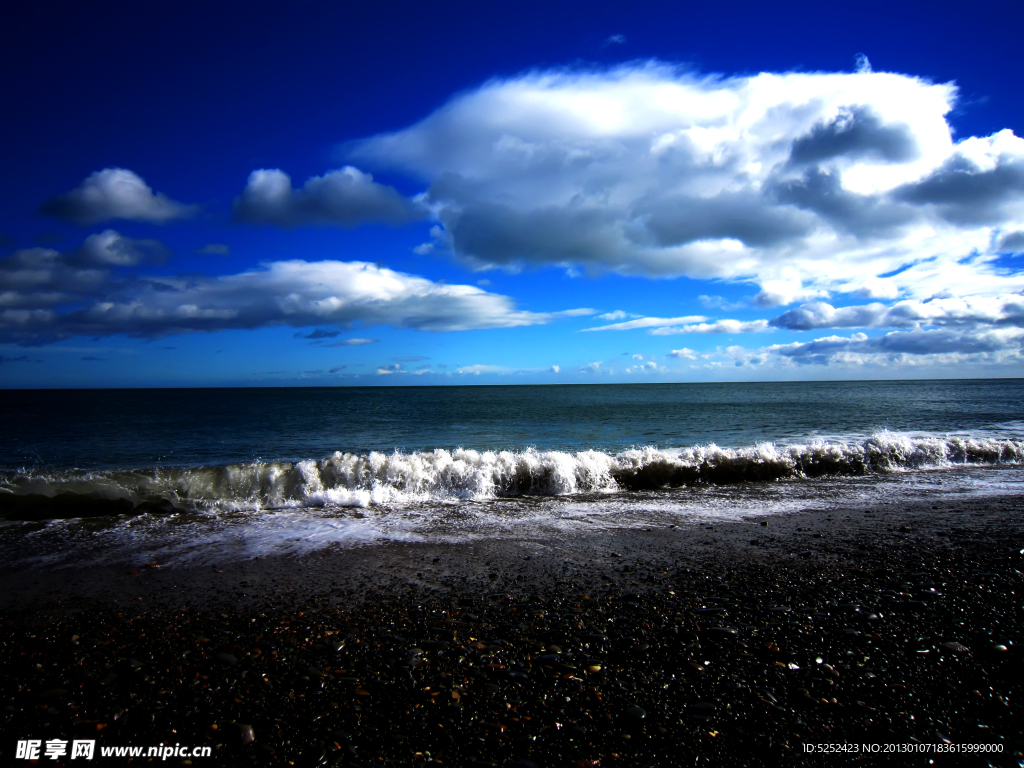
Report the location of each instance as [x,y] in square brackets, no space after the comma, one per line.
[193,476]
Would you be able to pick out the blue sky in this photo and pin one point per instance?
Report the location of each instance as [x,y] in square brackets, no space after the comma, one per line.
[318,194]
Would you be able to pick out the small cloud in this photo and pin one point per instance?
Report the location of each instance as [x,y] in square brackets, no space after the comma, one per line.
[423,249]
[114,193]
[556,369]
[112,249]
[478,369]
[337,368]
[591,368]
[638,357]
[386,370]
[614,40]
[485,282]
[317,333]
[214,249]
[352,342]
[648,322]
[718,326]
[683,354]
[345,197]
[719,302]
[861,63]
[19,359]
[778,293]
[1012,242]
[618,314]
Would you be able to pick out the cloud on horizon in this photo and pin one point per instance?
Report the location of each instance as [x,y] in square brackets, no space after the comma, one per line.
[939,346]
[953,311]
[46,296]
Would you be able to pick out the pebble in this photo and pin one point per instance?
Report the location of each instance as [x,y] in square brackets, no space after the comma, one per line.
[549,678]
[956,647]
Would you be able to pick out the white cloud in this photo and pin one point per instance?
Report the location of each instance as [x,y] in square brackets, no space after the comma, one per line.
[807,184]
[618,314]
[649,367]
[346,197]
[777,293]
[476,370]
[45,295]
[638,357]
[683,354]
[387,370]
[115,193]
[719,326]
[352,342]
[647,322]
[556,369]
[591,368]
[952,311]
[918,347]
[667,326]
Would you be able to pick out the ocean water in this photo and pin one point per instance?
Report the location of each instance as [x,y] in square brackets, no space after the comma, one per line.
[187,474]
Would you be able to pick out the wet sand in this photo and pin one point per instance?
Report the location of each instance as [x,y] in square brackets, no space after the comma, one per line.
[734,643]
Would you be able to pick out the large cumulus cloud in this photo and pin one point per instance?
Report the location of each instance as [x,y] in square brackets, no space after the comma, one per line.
[46,295]
[806,184]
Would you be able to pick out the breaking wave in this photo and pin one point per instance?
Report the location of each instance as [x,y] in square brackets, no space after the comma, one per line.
[350,480]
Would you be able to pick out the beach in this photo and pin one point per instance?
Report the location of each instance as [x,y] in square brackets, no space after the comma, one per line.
[746,641]
[407,385]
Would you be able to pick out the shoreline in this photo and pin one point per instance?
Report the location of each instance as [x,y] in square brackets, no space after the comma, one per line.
[510,632]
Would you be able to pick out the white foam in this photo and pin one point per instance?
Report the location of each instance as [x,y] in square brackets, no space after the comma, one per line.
[383,479]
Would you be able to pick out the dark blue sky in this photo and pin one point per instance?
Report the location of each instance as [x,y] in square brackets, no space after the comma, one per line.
[193,97]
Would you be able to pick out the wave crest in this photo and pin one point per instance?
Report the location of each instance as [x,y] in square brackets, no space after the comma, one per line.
[352,480]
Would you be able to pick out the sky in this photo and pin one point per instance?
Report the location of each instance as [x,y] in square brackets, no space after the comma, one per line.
[314,193]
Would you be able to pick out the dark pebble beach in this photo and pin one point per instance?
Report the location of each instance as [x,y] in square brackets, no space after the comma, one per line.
[750,642]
